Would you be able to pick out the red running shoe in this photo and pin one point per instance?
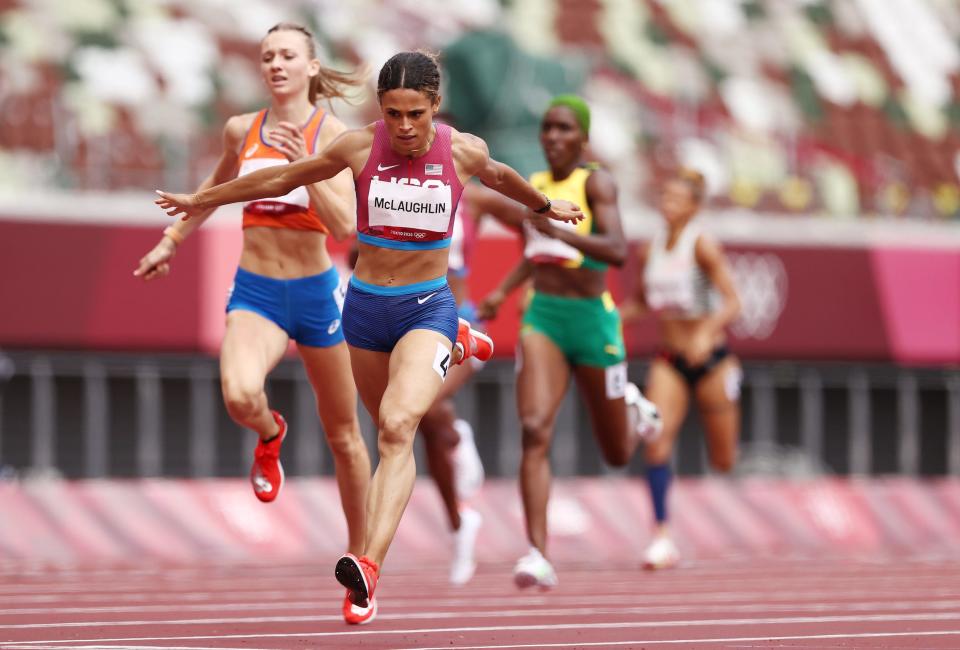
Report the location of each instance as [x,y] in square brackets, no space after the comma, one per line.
[359,576]
[473,343]
[266,475]
[355,615]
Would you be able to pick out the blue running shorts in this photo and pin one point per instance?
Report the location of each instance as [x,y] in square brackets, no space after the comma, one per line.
[375,317]
[307,309]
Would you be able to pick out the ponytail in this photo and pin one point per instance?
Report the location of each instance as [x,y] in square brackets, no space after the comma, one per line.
[329,84]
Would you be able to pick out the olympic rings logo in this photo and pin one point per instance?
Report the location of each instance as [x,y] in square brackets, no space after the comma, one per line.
[761,281]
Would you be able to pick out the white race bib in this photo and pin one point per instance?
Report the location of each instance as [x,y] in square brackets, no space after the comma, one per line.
[540,246]
[298,196]
[669,294]
[399,205]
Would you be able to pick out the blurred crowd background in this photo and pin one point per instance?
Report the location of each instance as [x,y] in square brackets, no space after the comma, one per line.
[843,108]
[828,130]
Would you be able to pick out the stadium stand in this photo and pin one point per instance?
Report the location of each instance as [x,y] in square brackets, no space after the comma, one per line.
[844,108]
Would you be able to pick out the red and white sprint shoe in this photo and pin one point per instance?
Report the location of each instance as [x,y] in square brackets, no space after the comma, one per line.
[266,475]
[356,615]
[473,343]
[359,575]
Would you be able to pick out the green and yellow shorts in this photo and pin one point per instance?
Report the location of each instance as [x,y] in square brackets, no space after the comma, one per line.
[587,330]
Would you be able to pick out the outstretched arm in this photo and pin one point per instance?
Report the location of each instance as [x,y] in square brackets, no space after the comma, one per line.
[335,202]
[333,199]
[473,157]
[271,181]
[156,263]
[606,243]
[482,200]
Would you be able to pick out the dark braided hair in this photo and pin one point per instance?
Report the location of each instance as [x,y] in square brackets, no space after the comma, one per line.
[415,70]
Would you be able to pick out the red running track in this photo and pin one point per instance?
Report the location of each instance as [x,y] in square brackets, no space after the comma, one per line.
[732,603]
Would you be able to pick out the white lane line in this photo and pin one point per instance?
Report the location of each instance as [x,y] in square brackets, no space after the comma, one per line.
[647,643]
[879,605]
[618,610]
[516,598]
[726,622]
[747,564]
[420,594]
[123,647]
[490,585]
[683,575]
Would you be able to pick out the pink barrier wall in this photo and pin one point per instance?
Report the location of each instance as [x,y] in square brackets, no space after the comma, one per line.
[71,286]
[219,520]
[920,297]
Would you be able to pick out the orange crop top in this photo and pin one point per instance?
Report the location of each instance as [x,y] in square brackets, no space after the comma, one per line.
[292,210]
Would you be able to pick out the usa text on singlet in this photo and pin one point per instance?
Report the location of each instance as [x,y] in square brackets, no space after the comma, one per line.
[405,202]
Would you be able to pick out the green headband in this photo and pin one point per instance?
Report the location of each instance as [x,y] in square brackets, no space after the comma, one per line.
[579,107]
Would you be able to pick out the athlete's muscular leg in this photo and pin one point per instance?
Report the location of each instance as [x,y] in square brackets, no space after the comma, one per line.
[541,384]
[402,394]
[371,372]
[332,380]
[252,347]
[602,390]
[667,389]
[718,402]
[441,438]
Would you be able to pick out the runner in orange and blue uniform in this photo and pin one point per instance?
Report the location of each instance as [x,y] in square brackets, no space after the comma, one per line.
[286,286]
[399,316]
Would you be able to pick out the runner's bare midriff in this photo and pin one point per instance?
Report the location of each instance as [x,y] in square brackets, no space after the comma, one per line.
[569,283]
[283,253]
[677,334]
[389,267]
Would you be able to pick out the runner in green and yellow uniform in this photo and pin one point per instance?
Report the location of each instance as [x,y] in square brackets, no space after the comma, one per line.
[571,325]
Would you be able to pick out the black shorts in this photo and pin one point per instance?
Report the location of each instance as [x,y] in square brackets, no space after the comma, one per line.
[693,374]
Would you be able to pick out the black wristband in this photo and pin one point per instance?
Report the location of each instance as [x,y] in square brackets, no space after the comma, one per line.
[545,208]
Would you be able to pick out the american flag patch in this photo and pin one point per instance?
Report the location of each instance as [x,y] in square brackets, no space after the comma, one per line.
[433,169]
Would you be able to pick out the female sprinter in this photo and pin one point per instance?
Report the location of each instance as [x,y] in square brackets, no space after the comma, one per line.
[452,456]
[679,268]
[399,316]
[570,326]
[286,286]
